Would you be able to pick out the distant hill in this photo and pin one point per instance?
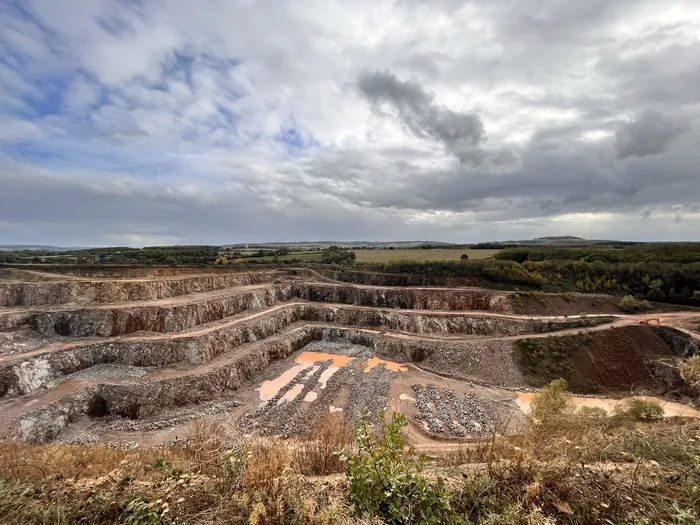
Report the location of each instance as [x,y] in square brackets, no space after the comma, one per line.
[570,241]
[558,241]
[17,247]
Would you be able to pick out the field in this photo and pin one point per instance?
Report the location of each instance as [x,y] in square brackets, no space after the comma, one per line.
[384,256]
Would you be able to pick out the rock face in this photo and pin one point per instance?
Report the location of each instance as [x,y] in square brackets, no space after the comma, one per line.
[110,322]
[205,344]
[104,292]
[405,298]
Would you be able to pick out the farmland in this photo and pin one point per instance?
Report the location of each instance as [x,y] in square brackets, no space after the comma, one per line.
[385,256]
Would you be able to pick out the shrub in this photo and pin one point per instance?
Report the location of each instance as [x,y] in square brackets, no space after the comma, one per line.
[383,482]
[690,370]
[318,454]
[552,403]
[629,304]
[638,409]
[337,255]
[137,511]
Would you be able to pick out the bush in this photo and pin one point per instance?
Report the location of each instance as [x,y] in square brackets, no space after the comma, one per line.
[337,255]
[317,454]
[385,483]
[690,370]
[551,404]
[638,409]
[630,304]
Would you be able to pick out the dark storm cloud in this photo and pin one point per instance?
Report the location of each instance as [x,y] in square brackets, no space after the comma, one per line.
[650,133]
[462,133]
[417,111]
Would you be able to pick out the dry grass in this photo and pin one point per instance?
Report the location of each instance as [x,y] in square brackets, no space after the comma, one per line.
[317,453]
[568,466]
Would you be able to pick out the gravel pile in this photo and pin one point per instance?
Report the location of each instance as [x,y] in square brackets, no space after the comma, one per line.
[468,412]
[369,391]
[163,422]
[281,418]
[309,415]
[493,362]
[442,411]
[424,412]
[451,415]
[288,425]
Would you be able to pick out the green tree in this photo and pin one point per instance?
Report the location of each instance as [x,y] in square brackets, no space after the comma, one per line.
[337,255]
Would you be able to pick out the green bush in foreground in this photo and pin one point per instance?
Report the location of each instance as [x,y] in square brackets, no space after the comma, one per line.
[384,482]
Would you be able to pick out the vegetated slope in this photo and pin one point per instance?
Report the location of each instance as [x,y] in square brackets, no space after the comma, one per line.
[538,303]
[448,254]
[609,361]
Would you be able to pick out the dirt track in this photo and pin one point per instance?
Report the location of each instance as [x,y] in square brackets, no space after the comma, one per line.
[213,335]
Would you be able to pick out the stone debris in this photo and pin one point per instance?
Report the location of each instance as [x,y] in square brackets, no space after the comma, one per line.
[450,415]
[369,391]
[163,422]
[287,425]
[424,412]
[442,412]
[468,413]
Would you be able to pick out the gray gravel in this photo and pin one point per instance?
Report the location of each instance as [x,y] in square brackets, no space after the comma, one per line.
[109,371]
[174,418]
[451,415]
[370,391]
[424,412]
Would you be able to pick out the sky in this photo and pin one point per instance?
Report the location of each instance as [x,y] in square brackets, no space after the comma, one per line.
[151,122]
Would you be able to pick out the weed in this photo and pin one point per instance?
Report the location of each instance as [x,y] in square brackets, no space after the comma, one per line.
[638,409]
[384,482]
[137,511]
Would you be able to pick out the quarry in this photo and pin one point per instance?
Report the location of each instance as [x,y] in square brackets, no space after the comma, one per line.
[133,357]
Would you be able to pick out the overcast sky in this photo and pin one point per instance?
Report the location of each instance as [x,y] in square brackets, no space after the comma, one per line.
[216,121]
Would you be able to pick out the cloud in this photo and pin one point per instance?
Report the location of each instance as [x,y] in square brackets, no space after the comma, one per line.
[649,134]
[460,132]
[82,95]
[231,120]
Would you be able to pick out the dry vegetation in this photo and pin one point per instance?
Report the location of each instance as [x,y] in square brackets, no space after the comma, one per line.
[568,466]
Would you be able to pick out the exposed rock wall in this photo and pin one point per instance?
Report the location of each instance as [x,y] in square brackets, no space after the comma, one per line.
[109,322]
[404,298]
[140,399]
[86,292]
[25,375]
